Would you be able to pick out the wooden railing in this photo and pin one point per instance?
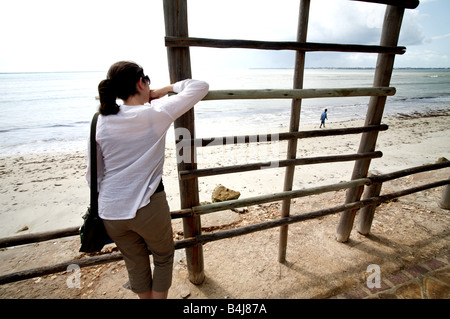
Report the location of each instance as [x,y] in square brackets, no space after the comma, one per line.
[178,43]
[367,206]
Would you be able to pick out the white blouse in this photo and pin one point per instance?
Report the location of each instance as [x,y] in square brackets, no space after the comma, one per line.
[131,146]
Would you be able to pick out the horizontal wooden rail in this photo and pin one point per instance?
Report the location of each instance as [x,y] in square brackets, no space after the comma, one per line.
[183,175]
[298,93]
[280,45]
[257,94]
[215,207]
[263,199]
[408,4]
[61,267]
[204,238]
[245,139]
[311,215]
[409,171]
[38,237]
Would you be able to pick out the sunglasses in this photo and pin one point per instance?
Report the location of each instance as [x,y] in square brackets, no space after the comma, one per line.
[146,79]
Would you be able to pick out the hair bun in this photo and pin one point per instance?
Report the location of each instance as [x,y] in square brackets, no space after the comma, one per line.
[108,96]
[108,83]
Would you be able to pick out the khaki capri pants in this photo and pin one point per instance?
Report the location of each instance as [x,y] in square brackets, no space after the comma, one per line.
[150,230]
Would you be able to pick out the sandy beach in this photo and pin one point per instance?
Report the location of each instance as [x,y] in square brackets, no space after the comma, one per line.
[48,191]
[43,192]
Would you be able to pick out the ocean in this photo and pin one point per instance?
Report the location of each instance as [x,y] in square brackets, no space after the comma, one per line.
[51,112]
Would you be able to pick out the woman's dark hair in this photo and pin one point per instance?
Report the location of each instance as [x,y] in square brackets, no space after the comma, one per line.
[120,83]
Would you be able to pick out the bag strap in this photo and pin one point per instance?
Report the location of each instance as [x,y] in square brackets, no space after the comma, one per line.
[94,199]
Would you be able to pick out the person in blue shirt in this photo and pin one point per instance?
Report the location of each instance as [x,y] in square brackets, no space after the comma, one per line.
[323,117]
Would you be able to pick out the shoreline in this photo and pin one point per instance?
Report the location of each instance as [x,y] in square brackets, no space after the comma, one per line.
[48,191]
[262,126]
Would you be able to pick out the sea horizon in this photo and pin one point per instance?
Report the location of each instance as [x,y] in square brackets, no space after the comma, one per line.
[55,111]
[263,68]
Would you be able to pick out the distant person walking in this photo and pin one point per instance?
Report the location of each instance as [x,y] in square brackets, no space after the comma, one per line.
[323,117]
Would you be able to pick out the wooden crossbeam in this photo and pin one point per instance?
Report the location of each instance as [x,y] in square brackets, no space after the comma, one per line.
[280,45]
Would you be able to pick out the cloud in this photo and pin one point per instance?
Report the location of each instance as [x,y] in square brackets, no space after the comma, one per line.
[345,22]
[330,21]
[264,20]
[423,58]
[412,32]
[53,35]
[440,37]
[91,35]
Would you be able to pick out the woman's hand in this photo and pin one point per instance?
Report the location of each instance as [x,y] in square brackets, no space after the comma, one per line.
[159,93]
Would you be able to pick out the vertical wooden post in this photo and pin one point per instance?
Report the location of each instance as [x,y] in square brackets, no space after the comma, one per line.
[366,214]
[445,201]
[294,122]
[176,24]
[385,63]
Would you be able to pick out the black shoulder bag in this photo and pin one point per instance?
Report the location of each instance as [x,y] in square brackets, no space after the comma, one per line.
[92,233]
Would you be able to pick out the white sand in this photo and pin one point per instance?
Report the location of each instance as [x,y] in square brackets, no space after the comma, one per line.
[42,192]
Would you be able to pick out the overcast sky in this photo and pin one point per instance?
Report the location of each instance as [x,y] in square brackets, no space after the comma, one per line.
[90,35]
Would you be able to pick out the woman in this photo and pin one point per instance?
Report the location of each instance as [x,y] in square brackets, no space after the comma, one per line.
[130,155]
